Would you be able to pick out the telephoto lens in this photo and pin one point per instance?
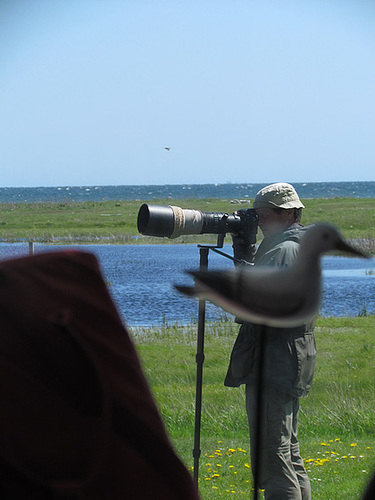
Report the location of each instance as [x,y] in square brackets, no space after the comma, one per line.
[172,221]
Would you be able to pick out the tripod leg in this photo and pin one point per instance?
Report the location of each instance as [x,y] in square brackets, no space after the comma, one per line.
[199,360]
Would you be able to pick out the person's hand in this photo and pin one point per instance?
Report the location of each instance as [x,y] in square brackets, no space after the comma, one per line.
[238,239]
[243,250]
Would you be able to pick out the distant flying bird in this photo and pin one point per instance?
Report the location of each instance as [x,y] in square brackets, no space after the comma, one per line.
[274,297]
[168,148]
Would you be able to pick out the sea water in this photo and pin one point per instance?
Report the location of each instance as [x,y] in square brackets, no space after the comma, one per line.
[228,191]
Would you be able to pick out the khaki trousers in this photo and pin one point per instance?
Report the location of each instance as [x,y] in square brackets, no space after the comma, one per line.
[281,469]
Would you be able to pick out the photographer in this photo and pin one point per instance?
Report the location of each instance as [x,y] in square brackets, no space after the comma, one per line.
[289,355]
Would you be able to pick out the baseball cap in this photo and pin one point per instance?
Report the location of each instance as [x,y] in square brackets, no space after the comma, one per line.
[278,195]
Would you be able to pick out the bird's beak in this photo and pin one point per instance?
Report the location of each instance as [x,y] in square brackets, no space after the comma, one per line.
[345,247]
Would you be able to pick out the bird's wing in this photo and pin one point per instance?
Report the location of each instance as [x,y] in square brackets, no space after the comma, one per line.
[263,292]
[258,295]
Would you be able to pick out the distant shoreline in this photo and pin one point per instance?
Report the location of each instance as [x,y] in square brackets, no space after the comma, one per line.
[227,191]
[295,183]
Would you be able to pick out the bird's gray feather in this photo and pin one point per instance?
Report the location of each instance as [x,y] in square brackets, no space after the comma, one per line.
[287,297]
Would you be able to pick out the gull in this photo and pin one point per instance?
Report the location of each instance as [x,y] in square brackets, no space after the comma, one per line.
[275,297]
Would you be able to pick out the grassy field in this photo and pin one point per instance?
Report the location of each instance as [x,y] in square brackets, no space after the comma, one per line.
[337,420]
[116,221]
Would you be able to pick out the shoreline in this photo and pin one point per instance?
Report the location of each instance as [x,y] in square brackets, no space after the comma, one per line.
[365,244]
[115,222]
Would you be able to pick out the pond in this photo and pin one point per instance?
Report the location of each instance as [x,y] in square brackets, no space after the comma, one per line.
[140,279]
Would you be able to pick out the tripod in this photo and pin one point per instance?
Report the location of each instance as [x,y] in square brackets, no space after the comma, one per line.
[199,358]
[203,265]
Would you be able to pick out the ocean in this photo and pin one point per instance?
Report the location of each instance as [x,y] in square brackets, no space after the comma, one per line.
[179,191]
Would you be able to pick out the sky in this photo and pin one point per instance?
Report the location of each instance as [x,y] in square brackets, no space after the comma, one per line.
[93,91]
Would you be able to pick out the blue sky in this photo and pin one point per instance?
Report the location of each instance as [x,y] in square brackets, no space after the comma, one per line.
[93,91]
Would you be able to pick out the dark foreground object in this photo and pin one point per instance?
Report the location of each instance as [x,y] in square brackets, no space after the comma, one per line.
[370,491]
[77,419]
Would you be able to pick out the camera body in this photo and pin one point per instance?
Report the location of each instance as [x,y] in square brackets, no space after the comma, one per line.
[172,222]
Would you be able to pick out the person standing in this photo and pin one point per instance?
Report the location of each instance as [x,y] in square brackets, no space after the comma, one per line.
[289,353]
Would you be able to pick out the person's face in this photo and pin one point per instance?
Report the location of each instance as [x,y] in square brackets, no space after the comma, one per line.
[271,222]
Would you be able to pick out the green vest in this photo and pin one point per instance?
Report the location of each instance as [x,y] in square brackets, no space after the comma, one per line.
[290,353]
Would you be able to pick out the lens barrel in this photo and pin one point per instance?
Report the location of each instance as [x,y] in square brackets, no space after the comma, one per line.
[155,220]
[172,221]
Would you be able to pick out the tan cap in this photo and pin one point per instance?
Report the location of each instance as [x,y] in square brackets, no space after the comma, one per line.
[279,195]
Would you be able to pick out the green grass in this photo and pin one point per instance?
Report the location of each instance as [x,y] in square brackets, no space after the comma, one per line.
[337,419]
[116,221]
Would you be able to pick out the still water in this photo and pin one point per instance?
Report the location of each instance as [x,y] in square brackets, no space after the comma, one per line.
[140,279]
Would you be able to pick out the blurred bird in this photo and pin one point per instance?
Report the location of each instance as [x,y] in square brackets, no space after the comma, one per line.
[274,297]
[168,148]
